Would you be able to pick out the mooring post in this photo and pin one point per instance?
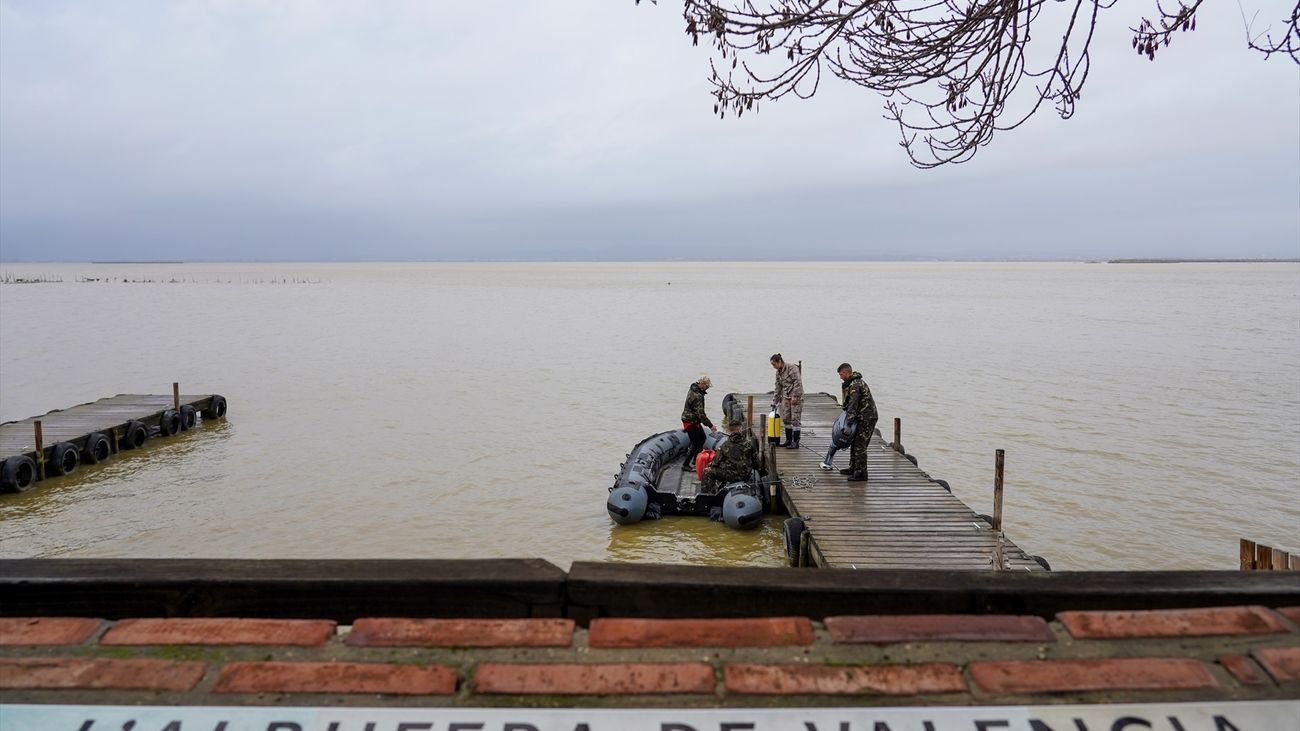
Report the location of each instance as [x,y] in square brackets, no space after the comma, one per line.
[898,435]
[997,490]
[998,558]
[1263,557]
[176,395]
[1247,555]
[40,450]
[749,415]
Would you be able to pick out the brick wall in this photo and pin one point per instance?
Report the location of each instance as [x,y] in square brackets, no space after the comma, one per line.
[1230,653]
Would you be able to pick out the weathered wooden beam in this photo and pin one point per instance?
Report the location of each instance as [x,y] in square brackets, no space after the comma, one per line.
[651,590]
[335,589]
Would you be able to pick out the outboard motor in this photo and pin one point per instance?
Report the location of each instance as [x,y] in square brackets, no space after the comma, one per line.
[841,433]
[742,509]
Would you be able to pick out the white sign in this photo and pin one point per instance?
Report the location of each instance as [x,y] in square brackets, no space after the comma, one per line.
[1212,716]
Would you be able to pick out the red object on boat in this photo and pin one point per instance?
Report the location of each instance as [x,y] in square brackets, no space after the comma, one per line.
[702,460]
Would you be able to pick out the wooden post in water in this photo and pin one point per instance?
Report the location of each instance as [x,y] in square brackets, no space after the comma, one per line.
[176,396]
[898,435]
[749,415]
[997,489]
[1247,555]
[40,450]
[1263,557]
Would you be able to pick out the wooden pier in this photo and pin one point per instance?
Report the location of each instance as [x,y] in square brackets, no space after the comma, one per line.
[60,441]
[900,519]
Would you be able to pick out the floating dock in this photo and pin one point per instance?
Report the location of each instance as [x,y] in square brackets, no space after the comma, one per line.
[60,441]
[902,518]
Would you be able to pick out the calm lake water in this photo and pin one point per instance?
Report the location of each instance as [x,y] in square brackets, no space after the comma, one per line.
[1150,413]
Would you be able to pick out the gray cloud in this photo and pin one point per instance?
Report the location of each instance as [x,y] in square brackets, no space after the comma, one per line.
[340,130]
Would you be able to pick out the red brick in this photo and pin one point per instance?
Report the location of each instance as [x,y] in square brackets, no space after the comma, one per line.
[1242,669]
[46,630]
[938,628]
[1283,663]
[1172,623]
[335,677]
[766,632]
[1063,676]
[842,680]
[603,679]
[299,632]
[1291,613]
[41,673]
[462,633]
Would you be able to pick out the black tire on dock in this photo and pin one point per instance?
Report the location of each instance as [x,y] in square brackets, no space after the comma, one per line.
[188,417]
[216,407]
[791,530]
[986,518]
[98,448]
[18,474]
[64,459]
[134,436]
[169,423]
[911,459]
[944,484]
[1042,562]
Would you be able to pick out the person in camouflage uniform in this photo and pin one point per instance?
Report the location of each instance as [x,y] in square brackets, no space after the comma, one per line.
[694,419]
[861,408]
[736,457]
[789,398]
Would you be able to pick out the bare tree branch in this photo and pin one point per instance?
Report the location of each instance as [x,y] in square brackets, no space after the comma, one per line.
[952,72]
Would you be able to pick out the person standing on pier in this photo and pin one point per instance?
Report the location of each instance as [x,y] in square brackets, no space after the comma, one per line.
[695,418]
[861,408]
[789,398]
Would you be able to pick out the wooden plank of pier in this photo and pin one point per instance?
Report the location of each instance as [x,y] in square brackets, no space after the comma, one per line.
[107,415]
[900,519]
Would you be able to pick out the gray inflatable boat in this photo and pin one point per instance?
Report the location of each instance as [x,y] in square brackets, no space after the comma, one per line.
[652,483]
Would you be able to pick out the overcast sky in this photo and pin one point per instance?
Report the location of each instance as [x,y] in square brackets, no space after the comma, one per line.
[575,129]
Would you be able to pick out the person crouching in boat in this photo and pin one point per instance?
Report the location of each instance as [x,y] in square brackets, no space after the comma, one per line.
[694,419]
[736,457]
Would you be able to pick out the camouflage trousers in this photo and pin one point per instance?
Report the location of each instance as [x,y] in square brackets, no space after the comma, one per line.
[791,411]
[715,477]
[858,455]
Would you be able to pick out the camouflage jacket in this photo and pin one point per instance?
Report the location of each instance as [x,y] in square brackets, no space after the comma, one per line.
[693,412]
[789,382]
[736,456]
[858,401]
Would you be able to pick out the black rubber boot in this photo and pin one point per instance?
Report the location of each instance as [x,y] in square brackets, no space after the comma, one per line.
[791,442]
[848,471]
[797,434]
[858,476]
